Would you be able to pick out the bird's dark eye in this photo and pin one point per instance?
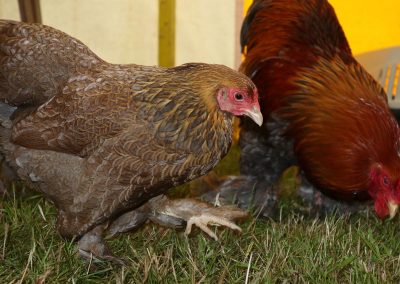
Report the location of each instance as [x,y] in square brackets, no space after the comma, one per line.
[239,97]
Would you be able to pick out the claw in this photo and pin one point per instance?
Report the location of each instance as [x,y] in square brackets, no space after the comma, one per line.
[203,220]
[195,212]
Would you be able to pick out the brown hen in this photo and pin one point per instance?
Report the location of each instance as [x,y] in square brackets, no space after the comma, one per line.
[101,139]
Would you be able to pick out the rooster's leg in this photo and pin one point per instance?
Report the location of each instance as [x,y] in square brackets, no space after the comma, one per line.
[247,192]
[173,212]
[264,157]
[93,248]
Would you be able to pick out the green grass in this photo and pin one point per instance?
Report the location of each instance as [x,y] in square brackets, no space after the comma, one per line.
[291,249]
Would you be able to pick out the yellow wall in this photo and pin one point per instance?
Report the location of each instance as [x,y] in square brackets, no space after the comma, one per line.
[369,25]
[246,5]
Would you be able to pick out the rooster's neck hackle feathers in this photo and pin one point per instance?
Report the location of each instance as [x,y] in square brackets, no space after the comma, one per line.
[356,124]
[280,36]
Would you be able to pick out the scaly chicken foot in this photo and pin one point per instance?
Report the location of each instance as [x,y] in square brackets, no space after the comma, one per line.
[171,212]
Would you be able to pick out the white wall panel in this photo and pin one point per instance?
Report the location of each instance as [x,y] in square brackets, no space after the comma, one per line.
[126,31]
[119,31]
[205,31]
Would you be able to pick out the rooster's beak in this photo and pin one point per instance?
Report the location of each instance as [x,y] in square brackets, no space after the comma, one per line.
[392,209]
[255,115]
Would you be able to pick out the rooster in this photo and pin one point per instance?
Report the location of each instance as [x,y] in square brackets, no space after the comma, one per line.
[322,110]
[100,140]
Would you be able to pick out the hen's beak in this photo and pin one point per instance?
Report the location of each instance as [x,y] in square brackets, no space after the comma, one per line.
[255,115]
[392,209]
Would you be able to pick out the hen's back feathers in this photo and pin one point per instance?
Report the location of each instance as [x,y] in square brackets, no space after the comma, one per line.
[36,61]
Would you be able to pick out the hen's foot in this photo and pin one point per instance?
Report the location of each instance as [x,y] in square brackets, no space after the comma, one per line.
[194,212]
[248,193]
[202,221]
[93,248]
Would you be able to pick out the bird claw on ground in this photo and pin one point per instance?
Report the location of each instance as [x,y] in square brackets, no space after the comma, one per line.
[172,212]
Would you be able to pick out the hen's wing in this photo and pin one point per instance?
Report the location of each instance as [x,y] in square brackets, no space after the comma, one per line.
[36,62]
[86,113]
[92,110]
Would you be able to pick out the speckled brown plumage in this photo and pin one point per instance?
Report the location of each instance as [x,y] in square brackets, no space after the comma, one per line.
[100,139]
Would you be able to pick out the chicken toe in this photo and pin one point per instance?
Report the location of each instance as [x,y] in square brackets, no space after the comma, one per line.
[204,220]
[195,212]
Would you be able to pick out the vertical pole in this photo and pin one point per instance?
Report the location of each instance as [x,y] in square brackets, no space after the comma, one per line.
[166,33]
[30,11]
[239,7]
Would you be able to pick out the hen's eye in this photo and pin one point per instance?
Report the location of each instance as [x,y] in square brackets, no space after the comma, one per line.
[386,180]
[238,97]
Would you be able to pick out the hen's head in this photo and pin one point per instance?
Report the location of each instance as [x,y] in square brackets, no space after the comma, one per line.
[224,88]
[384,188]
[240,101]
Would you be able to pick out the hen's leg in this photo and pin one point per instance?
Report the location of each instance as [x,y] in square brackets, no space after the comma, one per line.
[265,154]
[92,247]
[171,212]
[129,221]
[7,176]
